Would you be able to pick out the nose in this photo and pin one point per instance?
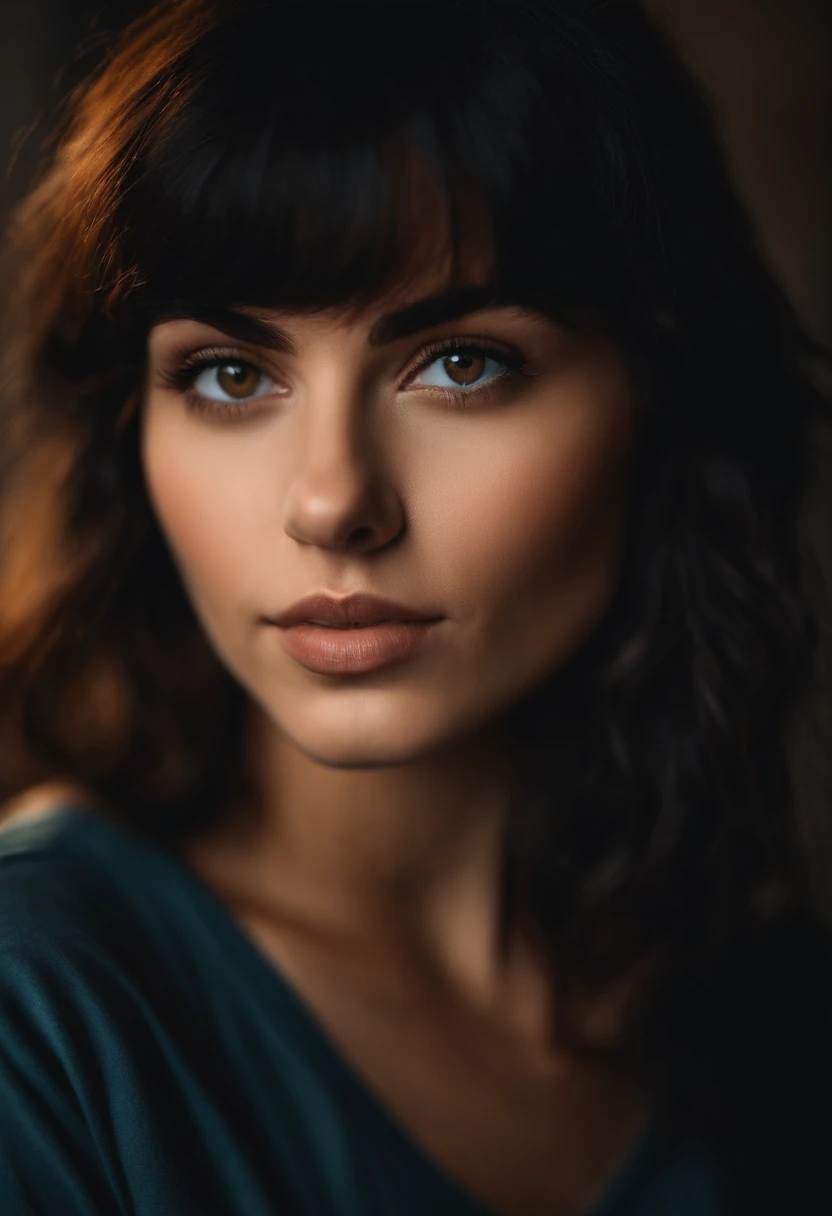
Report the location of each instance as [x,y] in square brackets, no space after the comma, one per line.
[341,494]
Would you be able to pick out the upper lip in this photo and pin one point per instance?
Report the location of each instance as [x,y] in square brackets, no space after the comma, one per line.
[358,609]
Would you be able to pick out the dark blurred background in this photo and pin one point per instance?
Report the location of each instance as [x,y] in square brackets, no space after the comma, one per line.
[766,67]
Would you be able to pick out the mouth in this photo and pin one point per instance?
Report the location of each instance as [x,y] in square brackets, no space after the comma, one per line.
[361,610]
[353,624]
[343,650]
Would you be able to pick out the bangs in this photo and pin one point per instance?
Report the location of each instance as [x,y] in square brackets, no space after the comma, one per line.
[311,156]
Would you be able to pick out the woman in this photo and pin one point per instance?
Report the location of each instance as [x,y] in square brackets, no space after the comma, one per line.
[470,884]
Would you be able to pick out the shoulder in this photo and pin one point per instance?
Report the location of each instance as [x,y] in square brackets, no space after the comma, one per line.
[65,1003]
[36,800]
[49,887]
[68,931]
[98,941]
[81,973]
[44,867]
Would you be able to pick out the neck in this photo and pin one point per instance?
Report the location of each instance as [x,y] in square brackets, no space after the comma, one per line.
[405,854]
[383,838]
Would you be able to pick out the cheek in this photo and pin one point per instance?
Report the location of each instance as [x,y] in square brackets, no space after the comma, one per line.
[202,506]
[544,526]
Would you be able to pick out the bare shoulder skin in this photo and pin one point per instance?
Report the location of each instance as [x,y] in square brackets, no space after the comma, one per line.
[39,798]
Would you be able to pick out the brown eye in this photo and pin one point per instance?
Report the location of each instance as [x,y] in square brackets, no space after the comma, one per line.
[464,368]
[226,380]
[238,380]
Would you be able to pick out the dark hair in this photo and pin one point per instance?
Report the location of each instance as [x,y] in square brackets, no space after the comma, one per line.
[258,153]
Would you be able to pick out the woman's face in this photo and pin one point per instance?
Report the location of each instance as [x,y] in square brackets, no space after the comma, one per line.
[446,481]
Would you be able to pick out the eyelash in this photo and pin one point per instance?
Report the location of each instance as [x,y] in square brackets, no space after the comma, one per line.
[191,365]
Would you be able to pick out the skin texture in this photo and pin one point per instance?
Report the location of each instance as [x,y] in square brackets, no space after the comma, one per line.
[367,870]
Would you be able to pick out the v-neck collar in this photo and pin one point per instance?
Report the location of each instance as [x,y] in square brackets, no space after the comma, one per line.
[275,990]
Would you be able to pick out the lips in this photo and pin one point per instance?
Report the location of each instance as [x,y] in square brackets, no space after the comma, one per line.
[352,612]
[332,651]
[329,625]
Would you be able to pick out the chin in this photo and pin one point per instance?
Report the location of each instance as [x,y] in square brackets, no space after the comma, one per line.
[359,754]
[370,743]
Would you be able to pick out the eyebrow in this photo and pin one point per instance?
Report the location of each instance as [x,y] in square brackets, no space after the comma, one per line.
[445,306]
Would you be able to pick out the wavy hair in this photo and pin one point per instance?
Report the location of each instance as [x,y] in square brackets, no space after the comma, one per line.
[255,152]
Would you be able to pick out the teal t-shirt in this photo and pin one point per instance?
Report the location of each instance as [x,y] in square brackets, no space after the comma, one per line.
[153,1062]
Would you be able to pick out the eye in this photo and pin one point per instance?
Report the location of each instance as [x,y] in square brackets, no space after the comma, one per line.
[226,384]
[231,380]
[464,366]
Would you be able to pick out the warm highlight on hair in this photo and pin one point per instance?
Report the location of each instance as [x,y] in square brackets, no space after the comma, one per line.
[654,813]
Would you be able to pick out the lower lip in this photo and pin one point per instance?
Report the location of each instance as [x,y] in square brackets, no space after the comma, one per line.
[340,652]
